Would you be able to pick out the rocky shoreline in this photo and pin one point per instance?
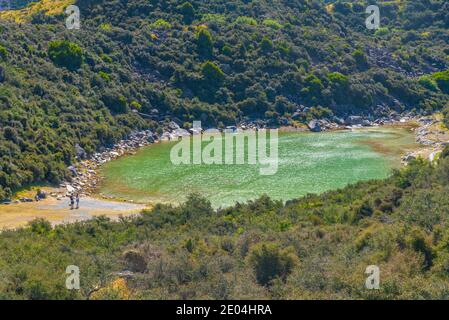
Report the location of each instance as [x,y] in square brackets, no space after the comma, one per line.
[86,179]
[431,136]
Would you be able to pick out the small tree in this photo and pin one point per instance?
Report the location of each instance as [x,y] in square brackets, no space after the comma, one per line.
[187,10]
[3,53]
[65,54]
[266,45]
[115,102]
[442,80]
[360,58]
[338,80]
[212,74]
[271,262]
[205,43]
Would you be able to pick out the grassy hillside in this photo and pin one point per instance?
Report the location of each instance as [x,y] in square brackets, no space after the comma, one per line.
[216,61]
[317,247]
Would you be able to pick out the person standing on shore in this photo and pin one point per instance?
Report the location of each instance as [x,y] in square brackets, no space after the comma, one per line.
[72,201]
[77,201]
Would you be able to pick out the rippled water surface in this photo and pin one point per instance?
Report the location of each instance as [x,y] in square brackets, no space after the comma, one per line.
[308,163]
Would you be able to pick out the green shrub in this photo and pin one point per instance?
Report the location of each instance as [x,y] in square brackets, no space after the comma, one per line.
[381,32]
[338,79]
[3,53]
[213,17]
[442,80]
[272,24]
[115,102]
[244,20]
[161,24]
[266,44]
[212,74]
[360,58]
[205,43]
[65,54]
[40,226]
[270,262]
[187,10]
[428,83]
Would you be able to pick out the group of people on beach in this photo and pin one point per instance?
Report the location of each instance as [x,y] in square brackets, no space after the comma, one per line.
[74,198]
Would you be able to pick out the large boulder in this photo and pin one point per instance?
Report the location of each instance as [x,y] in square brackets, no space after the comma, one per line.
[80,153]
[354,120]
[73,171]
[181,133]
[314,126]
[173,126]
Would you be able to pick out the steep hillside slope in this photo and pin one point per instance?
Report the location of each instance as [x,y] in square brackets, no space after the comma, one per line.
[216,61]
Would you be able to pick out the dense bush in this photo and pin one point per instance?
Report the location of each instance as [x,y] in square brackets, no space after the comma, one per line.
[221,62]
[65,54]
[442,80]
[270,262]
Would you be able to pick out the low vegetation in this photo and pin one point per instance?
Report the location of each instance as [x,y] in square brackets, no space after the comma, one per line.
[316,247]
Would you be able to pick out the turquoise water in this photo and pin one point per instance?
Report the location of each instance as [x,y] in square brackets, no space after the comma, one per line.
[308,163]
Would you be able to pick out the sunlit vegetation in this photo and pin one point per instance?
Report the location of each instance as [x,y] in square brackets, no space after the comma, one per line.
[26,12]
[221,63]
[316,247]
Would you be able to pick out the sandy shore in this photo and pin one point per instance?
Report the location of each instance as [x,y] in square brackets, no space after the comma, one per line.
[58,211]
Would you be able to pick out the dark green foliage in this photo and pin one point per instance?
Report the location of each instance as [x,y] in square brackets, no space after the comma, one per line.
[266,45]
[65,54]
[360,58]
[212,74]
[3,53]
[141,52]
[187,10]
[442,79]
[270,262]
[114,102]
[205,43]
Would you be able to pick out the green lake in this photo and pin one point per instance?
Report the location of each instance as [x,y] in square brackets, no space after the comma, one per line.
[307,163]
